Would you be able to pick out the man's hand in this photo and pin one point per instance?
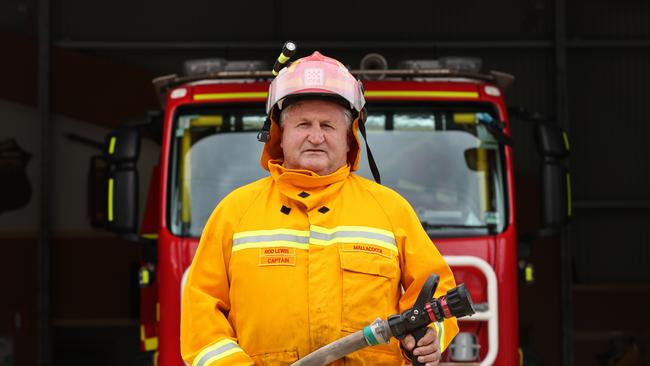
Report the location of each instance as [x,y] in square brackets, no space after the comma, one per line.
[427,350]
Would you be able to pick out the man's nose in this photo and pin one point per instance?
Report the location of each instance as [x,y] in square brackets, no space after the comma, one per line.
[316,135]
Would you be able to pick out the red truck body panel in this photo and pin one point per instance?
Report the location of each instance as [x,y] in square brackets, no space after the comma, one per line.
[500,251]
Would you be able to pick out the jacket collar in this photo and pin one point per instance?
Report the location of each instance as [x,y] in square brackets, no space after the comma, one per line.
[306,187]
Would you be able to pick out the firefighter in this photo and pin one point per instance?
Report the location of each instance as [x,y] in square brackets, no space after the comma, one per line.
[313,252]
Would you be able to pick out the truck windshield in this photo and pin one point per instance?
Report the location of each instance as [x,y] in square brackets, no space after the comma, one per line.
[443,160]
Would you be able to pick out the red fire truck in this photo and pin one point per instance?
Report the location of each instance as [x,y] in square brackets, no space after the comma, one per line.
[440,133]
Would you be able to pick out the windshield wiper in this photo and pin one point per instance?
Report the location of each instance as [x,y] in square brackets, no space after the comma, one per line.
[491,229]
[428,225]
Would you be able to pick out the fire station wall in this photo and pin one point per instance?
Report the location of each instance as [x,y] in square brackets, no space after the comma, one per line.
[610,164]
[18,308]
[162,20]
[338,19]
[70,166]
[385,21]
[15,14]
[93,273]
[603,19]
[379,20]
[611,171]
[607,89]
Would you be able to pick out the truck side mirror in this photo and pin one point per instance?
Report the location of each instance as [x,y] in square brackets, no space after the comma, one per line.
[123,145]
[556,205]
[551,140]
[122,207]
[121,151]
[553,147]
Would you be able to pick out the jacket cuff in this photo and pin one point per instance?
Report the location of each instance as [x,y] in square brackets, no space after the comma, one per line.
[220,353]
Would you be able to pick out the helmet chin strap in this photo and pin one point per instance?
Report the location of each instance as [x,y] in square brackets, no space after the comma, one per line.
[263,134]
[371,160]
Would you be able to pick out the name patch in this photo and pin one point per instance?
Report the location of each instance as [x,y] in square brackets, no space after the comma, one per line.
[277,251]
[277,256]
[368,248]
[278,261]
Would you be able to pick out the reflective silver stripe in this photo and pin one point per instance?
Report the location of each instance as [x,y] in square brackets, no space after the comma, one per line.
[353,234]
[268,238]
[215,353]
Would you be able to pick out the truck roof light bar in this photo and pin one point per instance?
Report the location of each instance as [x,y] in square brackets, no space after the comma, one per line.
[469,64]
[246,65]
[212,65]
[203,66]
[163,83]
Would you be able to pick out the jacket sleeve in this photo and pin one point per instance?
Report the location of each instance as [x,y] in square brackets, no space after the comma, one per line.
[207,338]
[419,258]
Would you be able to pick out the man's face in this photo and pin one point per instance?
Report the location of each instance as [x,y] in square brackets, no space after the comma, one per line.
[315,136]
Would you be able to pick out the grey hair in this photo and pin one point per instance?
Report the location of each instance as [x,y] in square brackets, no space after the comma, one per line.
[346,111]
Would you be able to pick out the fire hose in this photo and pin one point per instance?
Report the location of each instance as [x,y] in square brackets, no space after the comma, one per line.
[457,302]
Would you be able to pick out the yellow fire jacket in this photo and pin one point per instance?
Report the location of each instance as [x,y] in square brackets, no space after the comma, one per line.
[294,261]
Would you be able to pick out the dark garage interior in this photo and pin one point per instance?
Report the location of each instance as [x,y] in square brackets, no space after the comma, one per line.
[73,71]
